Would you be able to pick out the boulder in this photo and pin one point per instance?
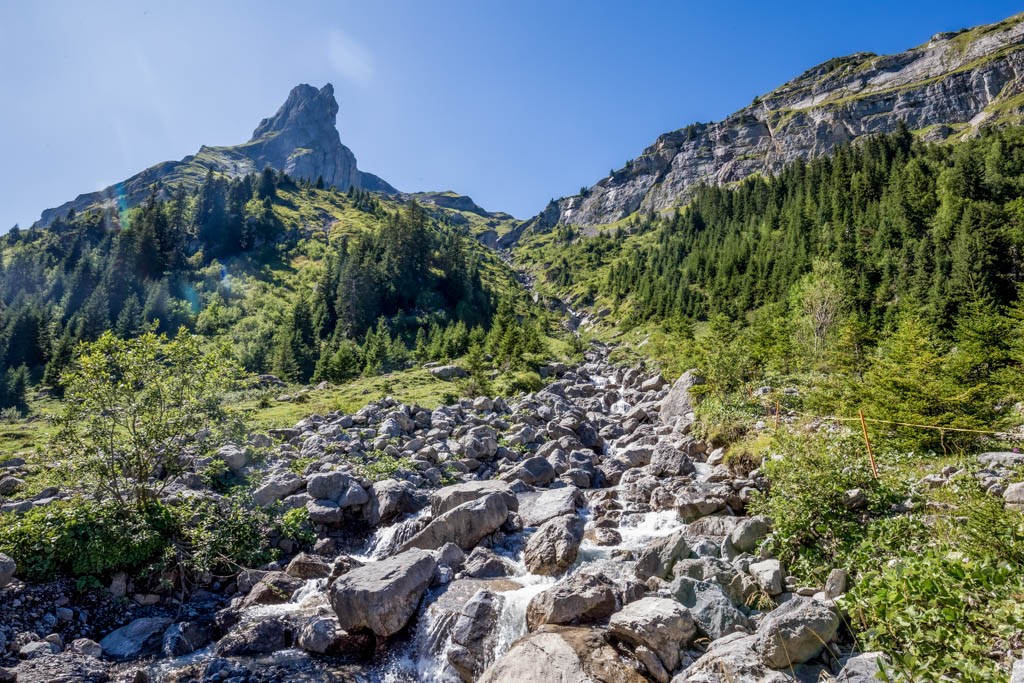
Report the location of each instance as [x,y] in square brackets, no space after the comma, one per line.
[328,485]
[137,637]
[732,659]
[276,487]
[680,401]
[67,667]
[322,635]
[748,533]
[464,525]
[865,667]
[484,563]
[535,471]
[257,637]
[795,632]
[537,507]
[661,556]
[768,575]
[711,608]
[584,597]
[382,596]
[306,566]
[659,624]
[448,372]
[273,589]
[183,638]
[563,654]
[474,635]
[553,547]
[390,499]
[1014,496]
[444,499]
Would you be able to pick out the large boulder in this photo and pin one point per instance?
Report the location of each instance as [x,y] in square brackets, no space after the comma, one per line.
[661,556]
[276,487]
[660,624]
[584,597]
[484,563]
[390,499]
[66,667]
[273,589]
[257,637]
[680,400]
[795,632]
[554,546]
[449,497]
[537,507]
[714,612]
[137,637]
[474,635]
[562,654]
[535,471]
[733,659]
[448,372]
[464,525]
[382,596]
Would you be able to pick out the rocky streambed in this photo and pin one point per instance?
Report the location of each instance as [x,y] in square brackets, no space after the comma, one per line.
[580,533]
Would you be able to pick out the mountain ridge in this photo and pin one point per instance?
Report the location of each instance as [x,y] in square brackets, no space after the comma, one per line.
[947,87]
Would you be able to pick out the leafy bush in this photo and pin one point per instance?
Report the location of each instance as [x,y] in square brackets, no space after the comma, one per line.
[519,382]
[220,537]
[295,524]
[809,476]
[81,537]
[381,465]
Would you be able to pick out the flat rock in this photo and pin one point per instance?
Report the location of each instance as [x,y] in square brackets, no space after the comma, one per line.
[537,507]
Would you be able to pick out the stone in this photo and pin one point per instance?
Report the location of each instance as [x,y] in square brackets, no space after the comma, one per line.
[87,647]
[7,569]
[484,563]
[661,556]
[322,635]
[184,638]
[37,648]
[583,597]
[748,533]
[448,372]
[712,610]
[66,667]
[732,659]
[273,589]
[659,624]
[256,637]
[464,525]
[865,667]
[537,507]
[795,632]
[306,566]
[768,575]
[835,584]
[679,401]
[276,487]
[137,637]
[327,485]
[444,499]
[563,654]
[382,596]
[554,545]
[1014,496]
[535,471]
[233,456]
[474,635]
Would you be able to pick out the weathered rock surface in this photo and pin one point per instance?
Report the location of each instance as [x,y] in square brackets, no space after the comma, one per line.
[659,624]
[465,525]
[584,597]
[563,654]
[553,547]
[382,596]
[795,632]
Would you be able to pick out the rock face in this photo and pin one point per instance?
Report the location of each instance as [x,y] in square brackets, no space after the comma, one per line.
[382,596]
[300,139]
[953,82]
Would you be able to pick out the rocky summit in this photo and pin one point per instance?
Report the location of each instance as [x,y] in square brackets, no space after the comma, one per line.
[946,88]
[300,139]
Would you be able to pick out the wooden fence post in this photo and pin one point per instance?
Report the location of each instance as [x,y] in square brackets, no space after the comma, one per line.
[867,442]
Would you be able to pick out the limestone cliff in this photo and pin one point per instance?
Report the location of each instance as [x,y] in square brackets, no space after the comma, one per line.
[950,86]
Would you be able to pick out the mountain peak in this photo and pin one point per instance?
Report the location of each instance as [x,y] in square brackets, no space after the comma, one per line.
[306,109]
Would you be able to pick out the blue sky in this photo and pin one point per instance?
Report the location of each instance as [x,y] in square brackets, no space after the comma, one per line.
[512,103]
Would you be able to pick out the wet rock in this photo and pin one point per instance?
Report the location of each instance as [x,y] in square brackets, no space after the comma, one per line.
[138,637]
[577,654]
[323,635]
[659,624]
[273,589]
[183,638]
[581,598]
[474,635]
[553,547]
[484,563]
[390,499]
[67,667]
[795,632]
[464,525]
[382,596]
[714,612]
[306,566]
[259,636]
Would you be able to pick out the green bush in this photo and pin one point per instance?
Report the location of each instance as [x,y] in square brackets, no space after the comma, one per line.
[80,537]
[380,465]
[220,537]
[295,524]
[809,476]
[519,382]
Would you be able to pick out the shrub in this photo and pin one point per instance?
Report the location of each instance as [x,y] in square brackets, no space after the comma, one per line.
[295,524]
[80,537]
[220,537]
[380,465]
[809,477]
[519,382]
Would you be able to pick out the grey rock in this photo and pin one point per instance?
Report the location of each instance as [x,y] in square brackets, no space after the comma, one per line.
[444,499]
[464,525]
[537,507]
[563,654]
[256,637]
[276,487]
[553,547]
[768,574]
[474,635]
[273,589]
[137,637]
[328,485]
[183,638]
[484,563]
[7,569]
[863,668]
[382,596]
[659,624]
[679,401]
[795,632]
[306,566]
[661,556]
[536,471]
[748,533]
[583,597]
[448,372]
[714,612]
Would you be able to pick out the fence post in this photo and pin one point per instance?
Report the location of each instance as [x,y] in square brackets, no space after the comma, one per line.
[867,442]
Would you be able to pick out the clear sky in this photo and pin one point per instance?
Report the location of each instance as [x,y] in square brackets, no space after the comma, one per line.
[512,103]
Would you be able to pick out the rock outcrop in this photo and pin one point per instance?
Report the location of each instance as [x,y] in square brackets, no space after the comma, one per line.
[949,86]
